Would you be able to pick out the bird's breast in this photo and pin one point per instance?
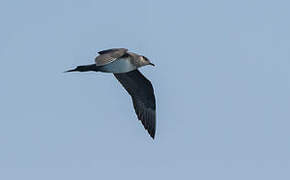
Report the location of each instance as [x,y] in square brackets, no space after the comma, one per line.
[121,65]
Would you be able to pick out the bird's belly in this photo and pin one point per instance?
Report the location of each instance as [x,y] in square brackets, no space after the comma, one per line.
[118,66]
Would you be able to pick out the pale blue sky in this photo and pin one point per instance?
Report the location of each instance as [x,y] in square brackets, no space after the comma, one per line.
[222,83]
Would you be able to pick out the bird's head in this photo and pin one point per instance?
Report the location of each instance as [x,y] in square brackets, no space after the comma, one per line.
[145,61]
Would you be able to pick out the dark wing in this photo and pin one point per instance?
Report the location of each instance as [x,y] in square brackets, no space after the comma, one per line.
[142,93]
[108,56]
[112,50]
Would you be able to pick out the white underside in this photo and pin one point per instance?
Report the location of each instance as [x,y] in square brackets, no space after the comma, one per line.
[118,66]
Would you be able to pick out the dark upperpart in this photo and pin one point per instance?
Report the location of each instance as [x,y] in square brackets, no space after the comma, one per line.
[91,67]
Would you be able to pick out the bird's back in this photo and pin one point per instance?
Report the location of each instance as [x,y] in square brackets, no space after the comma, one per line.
[110,55]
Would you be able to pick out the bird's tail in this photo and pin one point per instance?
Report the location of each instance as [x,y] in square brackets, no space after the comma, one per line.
[91,67]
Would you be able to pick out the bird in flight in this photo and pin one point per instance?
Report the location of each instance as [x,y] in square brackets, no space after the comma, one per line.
[124,65]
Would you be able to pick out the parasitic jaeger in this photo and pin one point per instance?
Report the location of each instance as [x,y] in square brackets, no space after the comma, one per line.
[124,65]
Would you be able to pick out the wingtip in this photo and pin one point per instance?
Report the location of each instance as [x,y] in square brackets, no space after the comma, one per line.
[152,134]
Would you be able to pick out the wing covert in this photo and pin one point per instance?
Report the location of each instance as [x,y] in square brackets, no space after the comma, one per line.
[109,55]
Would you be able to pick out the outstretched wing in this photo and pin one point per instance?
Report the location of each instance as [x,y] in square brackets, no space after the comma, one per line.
[142,93]
[110,55]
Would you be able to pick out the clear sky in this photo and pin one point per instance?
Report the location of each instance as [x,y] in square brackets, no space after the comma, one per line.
[222,84]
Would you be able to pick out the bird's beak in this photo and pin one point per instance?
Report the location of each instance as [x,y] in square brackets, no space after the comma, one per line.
[151,64]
